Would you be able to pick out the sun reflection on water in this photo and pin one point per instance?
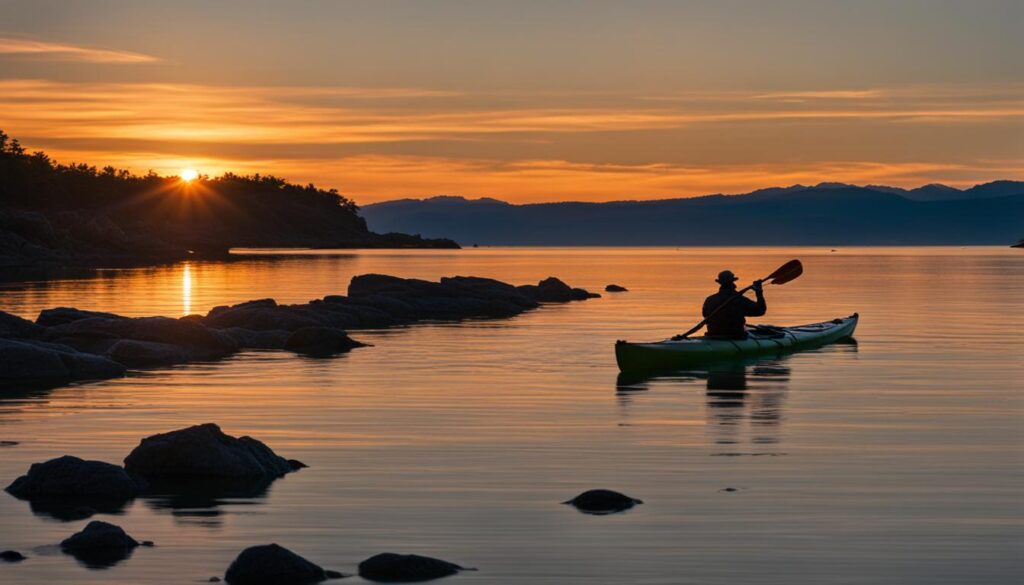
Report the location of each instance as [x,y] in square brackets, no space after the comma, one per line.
[186,289]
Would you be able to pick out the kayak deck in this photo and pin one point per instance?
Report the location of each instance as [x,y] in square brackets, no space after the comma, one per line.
[762,340]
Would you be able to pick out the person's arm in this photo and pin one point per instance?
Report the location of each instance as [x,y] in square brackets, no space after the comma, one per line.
[758,308]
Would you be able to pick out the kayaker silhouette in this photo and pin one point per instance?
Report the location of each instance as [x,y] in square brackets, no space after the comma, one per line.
[726,311]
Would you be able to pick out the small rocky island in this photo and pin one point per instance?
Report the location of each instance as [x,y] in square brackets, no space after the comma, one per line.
[66,344]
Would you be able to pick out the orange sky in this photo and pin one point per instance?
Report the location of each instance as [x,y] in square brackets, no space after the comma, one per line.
[510,114]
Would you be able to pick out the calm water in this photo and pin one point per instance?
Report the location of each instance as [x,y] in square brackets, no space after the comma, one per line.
[895,460]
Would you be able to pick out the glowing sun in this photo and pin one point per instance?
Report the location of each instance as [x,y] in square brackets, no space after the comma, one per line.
[189,175]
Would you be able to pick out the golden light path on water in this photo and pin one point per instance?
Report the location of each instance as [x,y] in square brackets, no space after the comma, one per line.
[186,289]
[895,460]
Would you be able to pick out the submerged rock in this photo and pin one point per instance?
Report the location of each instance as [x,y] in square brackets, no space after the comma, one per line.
[12,556]
[100,544]
[272,564]
[601,501]
[615,288]
[204,451]
[320,341]
[392,567]
[71,477]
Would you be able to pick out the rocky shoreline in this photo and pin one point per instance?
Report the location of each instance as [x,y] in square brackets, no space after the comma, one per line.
[66,345]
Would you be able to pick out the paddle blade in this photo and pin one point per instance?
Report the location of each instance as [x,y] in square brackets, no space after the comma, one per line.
[787,272]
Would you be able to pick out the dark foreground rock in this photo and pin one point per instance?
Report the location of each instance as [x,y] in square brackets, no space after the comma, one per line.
[393,568]
[12,556]
[204,451]
[614,288]
[602,501]
[71,477]
[100,544]
[272,564]
[67,344]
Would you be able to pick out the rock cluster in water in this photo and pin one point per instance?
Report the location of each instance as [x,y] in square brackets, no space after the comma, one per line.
[195,460]
[67,344]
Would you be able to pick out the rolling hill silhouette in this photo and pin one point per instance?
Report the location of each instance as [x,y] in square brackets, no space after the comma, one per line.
[825,214]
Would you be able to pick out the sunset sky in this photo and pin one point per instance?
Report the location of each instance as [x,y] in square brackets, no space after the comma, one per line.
[524,101]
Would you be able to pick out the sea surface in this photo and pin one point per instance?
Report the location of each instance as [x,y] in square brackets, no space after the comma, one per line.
[898,459]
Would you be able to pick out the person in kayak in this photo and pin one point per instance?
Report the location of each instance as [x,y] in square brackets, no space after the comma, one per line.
[730,321]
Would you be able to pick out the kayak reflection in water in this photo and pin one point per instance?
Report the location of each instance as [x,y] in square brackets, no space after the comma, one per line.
[726,311]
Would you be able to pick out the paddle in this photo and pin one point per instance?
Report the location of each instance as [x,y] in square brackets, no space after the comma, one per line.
[789,271]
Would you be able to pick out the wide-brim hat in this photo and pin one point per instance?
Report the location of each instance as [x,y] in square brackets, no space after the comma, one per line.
[726,277]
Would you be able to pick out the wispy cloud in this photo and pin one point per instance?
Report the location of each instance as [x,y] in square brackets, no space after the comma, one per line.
[377,143]
[275,115]
[833,94]
[66,52]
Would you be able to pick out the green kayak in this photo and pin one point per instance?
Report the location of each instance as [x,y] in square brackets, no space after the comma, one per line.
[761,340]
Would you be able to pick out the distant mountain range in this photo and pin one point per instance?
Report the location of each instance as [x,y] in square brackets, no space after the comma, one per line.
[824,214]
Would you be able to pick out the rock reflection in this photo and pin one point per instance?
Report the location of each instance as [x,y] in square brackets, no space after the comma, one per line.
[204,502]
[73,509]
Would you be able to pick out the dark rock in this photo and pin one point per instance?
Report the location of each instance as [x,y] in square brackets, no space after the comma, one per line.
[70,476]
[198,341]
[553,290]
[296,465]
[204,451]
[140,354]
[602,501]
[13,326]
[397,309]
[22,362]
[615,288]
[272,564]
[100,544]
[64,315]
[85,366]
[213,580]
[39,363]
[729,489]
[8,443]
[264,315]
[392,567]
[320,341]
[12,556]
[249,339]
